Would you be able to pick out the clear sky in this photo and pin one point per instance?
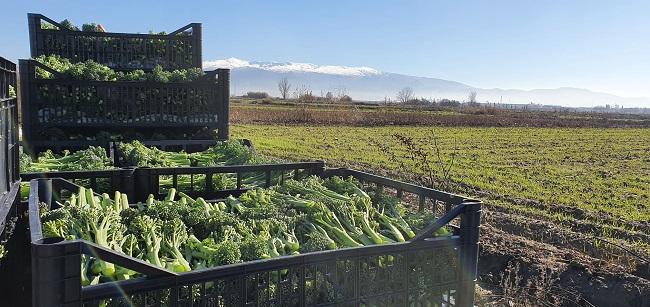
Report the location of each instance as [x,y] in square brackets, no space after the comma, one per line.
[599,45]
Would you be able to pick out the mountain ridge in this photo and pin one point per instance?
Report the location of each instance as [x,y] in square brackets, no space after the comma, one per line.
[366,83]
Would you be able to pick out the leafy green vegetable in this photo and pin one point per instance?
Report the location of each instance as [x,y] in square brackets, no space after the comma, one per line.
[181,233]
[93,71]
[93,158]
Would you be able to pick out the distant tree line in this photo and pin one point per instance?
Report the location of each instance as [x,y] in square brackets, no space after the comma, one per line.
[303,94]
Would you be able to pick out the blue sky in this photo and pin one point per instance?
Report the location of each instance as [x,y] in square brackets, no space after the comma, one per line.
[599,45]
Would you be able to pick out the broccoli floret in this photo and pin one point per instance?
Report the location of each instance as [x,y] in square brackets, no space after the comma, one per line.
[55,228]
[316,239]
[227,253]
[208,253]
[147,230]
[174,235]
[253,248]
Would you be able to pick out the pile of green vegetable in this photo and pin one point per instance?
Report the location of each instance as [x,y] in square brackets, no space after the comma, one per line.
[181,233]
[86,27]
[93,71]
[229,152]
[134,153]
[93,158]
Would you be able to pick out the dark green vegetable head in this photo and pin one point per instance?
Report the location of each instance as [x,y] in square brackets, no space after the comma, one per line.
[254,247]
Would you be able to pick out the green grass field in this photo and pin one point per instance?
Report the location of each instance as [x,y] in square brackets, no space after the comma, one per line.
[605,172]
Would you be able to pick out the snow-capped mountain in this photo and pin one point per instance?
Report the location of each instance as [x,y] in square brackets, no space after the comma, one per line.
[366,83]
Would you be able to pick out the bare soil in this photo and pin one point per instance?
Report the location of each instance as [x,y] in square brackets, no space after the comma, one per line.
[422,116]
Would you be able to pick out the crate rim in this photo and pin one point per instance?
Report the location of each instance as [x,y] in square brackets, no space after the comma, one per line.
[204,80]
[34,209]
[121,34]
[8,204]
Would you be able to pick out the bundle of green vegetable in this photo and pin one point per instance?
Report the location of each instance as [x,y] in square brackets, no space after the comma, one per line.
[93,158]
[93,71]
[181,234]
[86,27]
[137,154]
[228,152]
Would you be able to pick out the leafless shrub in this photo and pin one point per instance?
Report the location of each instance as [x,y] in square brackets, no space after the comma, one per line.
[425,154]
[515,288]
[301,90]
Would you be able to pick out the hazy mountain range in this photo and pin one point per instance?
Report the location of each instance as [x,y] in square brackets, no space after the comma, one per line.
[365,83]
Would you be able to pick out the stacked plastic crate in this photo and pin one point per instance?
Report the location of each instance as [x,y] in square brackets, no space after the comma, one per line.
[59,107]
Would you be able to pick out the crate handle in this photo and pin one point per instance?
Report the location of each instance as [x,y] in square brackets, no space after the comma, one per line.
[426,232]
[49,20]
[132,263]
[183,29]
[48,69]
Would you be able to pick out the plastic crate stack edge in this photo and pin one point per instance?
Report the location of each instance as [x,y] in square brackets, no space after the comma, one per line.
[14,260]
[438,271]
[9,147]
[73,105]
[121,51]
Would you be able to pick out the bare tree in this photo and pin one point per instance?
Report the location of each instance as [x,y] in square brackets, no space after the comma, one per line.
[284,86]
[471,98]
[405,95]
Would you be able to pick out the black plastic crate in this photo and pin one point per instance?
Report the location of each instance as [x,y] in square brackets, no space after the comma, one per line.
[120,51]
[442,269]
[119,178]
[55,108]
[9,148]
[200,181]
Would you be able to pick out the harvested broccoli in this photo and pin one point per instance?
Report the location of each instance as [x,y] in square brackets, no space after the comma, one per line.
[181,233]
[93,158]
[174,235]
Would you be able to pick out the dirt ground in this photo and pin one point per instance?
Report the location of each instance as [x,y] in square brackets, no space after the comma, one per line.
[532,262]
